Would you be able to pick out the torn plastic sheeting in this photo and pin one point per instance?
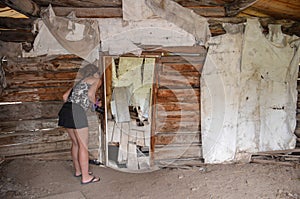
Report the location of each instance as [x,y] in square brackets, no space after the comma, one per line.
[42,46]
[220,98]
[183,17]
[169,10]
[254,110]
[269,78]
[119,38]
[79,36]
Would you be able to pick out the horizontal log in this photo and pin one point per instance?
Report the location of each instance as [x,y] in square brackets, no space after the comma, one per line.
[29,137]
[107,12]
[177,152]
[54,155]
[178,116]
[209,11]
[179,80]
[29,111]
[26,125]
[34,148]
[16,36]
[178,106]
[173,127]
[40,65]
[26,7]
[33,95]
[16,23]
[198,50]
[178,95]
[177,138]
[13,85]
[40,76]
[178,67]
[183,59]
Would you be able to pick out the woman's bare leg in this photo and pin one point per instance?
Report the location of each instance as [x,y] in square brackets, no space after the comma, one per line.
[82,138]
[74,151]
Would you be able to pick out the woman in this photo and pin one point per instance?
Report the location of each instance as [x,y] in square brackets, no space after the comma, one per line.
[73,117]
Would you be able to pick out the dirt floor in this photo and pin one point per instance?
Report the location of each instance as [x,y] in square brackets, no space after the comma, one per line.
[54,179]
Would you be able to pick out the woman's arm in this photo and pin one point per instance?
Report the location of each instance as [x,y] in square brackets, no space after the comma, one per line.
[66,94]
[93,89]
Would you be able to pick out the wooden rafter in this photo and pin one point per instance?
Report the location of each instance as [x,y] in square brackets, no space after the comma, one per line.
[16,23]
[237,6]
[26,7]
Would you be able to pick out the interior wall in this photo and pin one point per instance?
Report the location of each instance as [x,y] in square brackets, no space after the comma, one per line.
[28,127]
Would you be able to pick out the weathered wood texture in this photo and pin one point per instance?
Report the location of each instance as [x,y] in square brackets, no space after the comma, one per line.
[34,79]
[177,107]
[29,129]
[297,131]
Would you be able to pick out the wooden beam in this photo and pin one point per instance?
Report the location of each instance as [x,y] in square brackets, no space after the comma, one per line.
[90,12]
[237,6]
[16,23]
[289,27]
[16,36]
[26,7]
[209,11]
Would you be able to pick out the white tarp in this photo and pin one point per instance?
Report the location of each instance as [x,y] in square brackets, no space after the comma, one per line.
[248,94]
[137,10]
[119,37]
[67,35]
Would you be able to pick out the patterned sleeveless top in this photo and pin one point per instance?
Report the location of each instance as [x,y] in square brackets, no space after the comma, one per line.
[79,95]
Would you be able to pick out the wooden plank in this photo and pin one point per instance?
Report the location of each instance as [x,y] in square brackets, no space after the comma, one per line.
[183,59]
[177,138]
[181,67]
[30,111]
[33,65]
[22,77]
[184,80]
[27,125]
[122,107]
[200,50]
[178,106]
[56,155]
[28,137]
[123,149]
[178,95]
[209,11]
[164,127]
[108,12]
[16,36]
[272,162]
[16,23]
[177,152]
[26,7]
[132,161]
[34,148]
[178,116]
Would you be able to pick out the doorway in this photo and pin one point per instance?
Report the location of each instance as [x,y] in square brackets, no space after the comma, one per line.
[129,82]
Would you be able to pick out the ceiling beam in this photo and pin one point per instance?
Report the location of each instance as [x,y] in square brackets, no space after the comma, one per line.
[16,23]
[26,7]
[237,6]
[16,36]
[89,12]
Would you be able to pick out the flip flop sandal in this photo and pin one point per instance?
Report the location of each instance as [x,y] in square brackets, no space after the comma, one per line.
[94,179]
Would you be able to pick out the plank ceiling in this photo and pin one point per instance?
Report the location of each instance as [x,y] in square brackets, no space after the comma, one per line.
[285,12]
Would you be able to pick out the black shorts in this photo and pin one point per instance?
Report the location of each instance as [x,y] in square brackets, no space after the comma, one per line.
[72,116]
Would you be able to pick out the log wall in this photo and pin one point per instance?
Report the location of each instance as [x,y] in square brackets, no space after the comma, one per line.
[176,131]
[29,129]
